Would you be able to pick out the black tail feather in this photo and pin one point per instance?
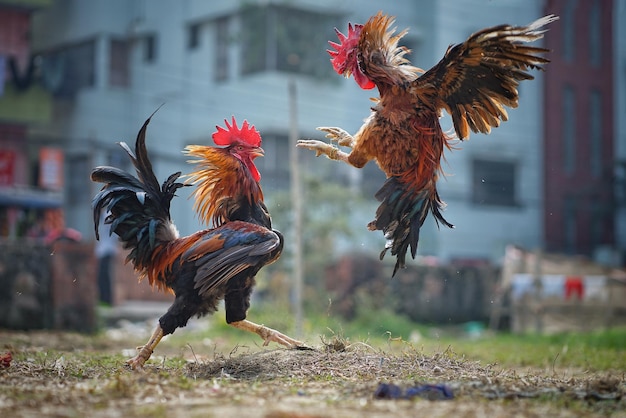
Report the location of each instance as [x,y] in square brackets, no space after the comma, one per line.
[138,209]
[400,216]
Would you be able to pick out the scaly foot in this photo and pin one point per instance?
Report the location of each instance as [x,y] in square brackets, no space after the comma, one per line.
[319,147]
[338,135]
[270,335]
[145,351]
[137,362]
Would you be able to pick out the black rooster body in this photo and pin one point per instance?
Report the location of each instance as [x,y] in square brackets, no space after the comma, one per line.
[213,264]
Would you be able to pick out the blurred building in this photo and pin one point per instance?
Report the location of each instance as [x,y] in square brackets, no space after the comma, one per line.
[581,140]
[619,109]
[110,63]
[31,167]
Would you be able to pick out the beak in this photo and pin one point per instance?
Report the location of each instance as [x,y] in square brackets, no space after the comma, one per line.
[257,152]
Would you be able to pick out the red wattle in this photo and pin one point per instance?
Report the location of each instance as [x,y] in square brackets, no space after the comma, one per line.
[255,172]
[362,80]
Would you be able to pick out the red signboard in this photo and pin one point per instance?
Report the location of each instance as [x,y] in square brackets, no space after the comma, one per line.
[7,163]
[50,168]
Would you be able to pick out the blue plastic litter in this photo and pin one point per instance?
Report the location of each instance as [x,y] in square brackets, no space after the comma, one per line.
[428,391]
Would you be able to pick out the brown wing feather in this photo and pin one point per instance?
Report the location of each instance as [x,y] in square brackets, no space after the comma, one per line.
[476,79]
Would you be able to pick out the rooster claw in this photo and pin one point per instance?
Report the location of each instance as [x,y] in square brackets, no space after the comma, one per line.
[318,146]
[271,335]
[135,363]
[338,135]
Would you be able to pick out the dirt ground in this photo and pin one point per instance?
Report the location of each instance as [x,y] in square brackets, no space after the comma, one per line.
[68,375]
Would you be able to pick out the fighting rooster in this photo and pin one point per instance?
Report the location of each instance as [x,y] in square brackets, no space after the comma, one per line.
[473,82]
[213,264]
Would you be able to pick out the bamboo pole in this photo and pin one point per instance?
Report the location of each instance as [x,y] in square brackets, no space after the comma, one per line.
[296,198]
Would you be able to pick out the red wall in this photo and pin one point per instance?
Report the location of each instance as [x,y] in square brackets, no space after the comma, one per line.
[583,78]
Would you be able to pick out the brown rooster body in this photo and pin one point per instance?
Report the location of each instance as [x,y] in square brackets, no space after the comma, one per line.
[211,265]
[473,82]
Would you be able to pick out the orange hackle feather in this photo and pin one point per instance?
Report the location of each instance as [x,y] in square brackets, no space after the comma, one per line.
[378,36]
[218,178]
[221,177]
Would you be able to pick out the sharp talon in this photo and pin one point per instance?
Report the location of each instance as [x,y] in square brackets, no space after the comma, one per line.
[134,364]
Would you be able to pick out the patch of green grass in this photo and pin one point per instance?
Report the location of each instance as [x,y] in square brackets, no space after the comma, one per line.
[379,325]
[595,351]
[599,350]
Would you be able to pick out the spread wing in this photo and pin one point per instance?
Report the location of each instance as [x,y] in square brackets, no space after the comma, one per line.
[223,253]
[476,79]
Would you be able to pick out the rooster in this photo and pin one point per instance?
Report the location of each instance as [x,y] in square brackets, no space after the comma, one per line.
[473,82]
[213,264]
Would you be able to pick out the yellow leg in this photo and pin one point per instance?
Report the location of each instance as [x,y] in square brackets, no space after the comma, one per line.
[268,334]
[145,352]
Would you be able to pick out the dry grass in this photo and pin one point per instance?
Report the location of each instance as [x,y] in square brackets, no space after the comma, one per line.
[68,375]
[363,367]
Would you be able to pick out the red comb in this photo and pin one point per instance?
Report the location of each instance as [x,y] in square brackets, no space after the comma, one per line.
[347,43]
[232,133]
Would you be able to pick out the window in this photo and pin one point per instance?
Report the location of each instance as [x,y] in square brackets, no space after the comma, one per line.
[569,30]
[117,157]
[620,182]
[78,168]
[595,132]
[193,36]
[68,70]
[283,38]
[255,34]
[274,166]
[493,183]
[597,223]
[568,119]
[119,71]
[150,48]
[595,34]
[221,48]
